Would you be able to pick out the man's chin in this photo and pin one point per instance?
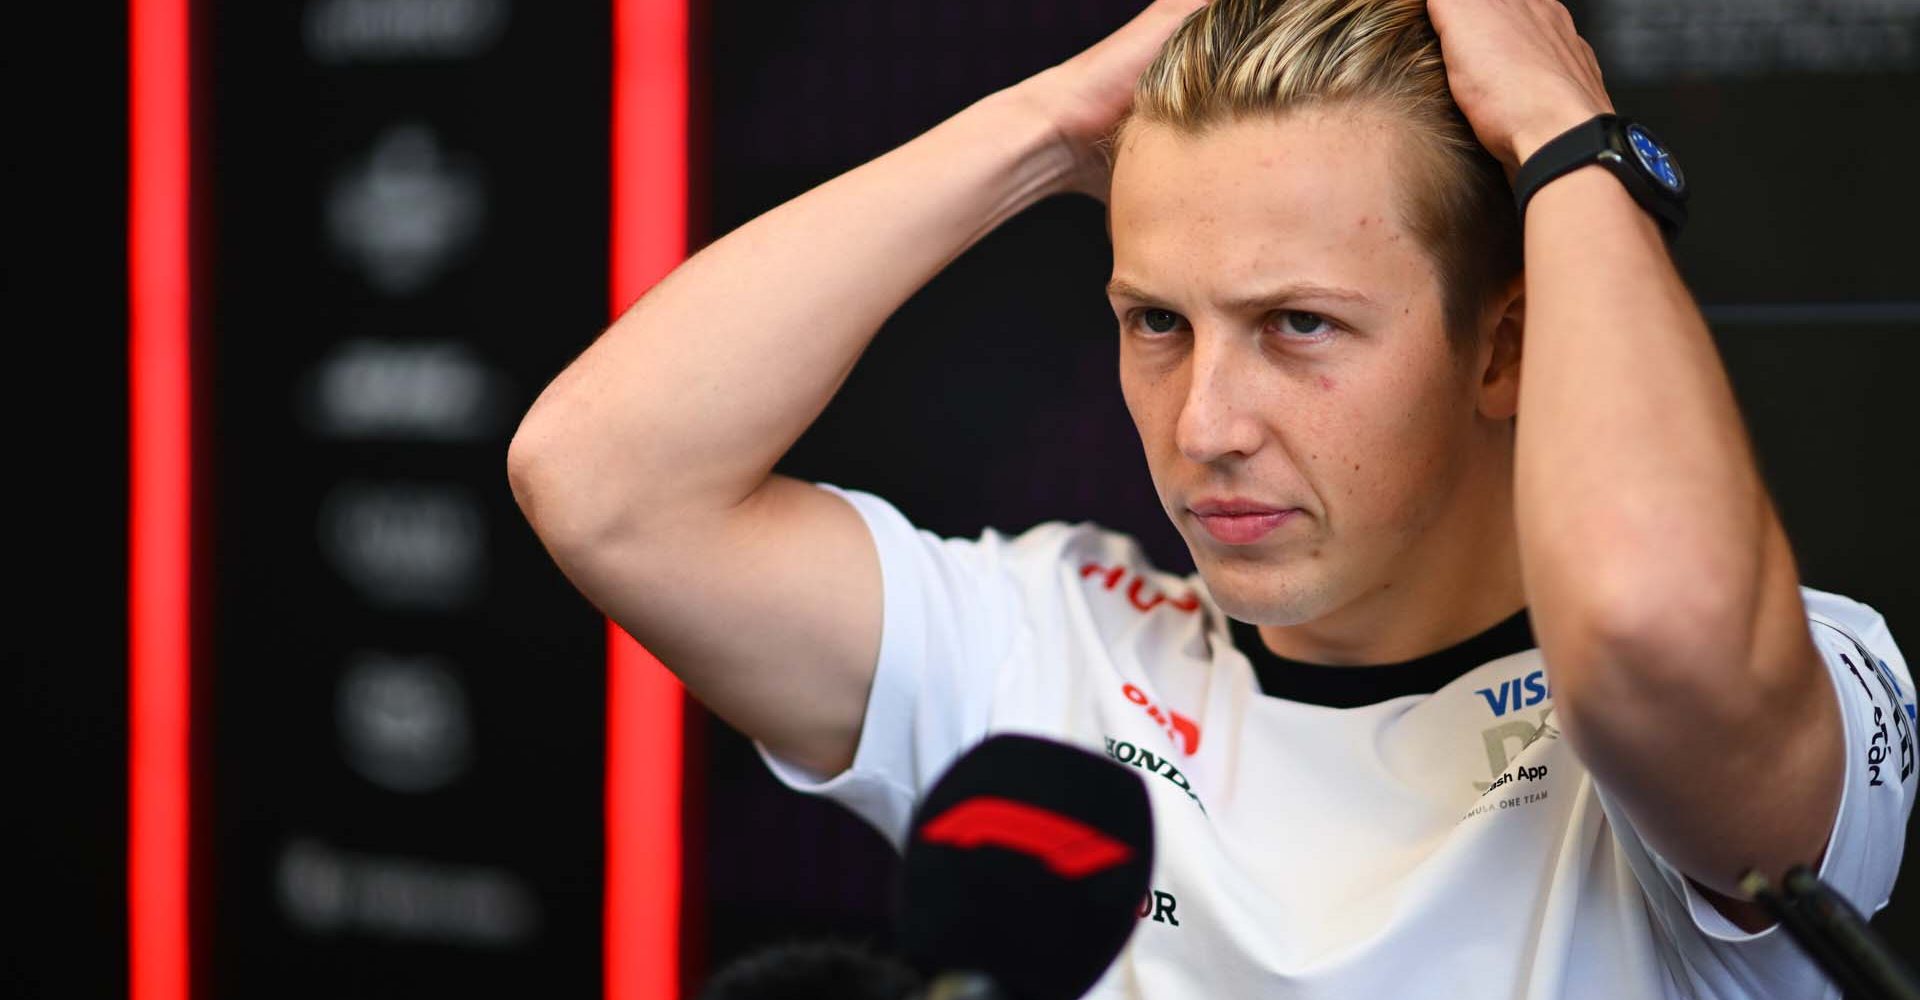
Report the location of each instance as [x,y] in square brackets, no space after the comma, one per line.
[1263,594]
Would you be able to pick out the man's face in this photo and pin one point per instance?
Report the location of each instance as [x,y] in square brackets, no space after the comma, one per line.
[1282,343]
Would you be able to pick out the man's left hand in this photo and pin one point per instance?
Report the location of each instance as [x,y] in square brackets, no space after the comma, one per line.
[1519,71]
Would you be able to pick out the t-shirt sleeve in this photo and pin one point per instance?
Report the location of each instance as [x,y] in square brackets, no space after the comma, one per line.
[952,610]
[1710,954]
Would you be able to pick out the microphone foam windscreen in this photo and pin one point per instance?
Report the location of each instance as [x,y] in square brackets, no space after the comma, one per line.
[1027,861]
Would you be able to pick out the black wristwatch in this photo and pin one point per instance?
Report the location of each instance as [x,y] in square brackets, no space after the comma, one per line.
[1625,147]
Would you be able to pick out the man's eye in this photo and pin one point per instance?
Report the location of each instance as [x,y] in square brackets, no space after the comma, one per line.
[1160,320]
[1305,324]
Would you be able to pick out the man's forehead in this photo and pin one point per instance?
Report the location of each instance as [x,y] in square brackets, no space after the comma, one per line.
[1306,164]
[1311,197]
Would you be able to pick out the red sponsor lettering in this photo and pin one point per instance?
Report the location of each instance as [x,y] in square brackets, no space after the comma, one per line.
[1184,732]
[1142,595]
[1069,848]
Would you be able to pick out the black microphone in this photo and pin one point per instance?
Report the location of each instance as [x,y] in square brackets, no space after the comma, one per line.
[1024,871]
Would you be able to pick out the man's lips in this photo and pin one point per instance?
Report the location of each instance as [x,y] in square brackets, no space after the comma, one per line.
[1233,507]
[1240,522]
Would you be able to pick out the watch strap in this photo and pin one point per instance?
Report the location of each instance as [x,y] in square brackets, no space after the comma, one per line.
[1566,152]
[1598,140]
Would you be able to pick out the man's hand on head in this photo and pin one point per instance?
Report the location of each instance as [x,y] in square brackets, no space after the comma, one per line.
[1088,94]
[1519,70]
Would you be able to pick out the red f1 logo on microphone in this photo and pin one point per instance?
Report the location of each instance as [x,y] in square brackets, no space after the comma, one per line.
[1069,848]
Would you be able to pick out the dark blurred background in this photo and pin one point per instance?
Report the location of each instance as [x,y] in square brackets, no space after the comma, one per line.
[404,235]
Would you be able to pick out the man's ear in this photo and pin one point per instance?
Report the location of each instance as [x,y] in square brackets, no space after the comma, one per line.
[1499,355]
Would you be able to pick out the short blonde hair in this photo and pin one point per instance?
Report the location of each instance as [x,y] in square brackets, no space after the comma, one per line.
[1235,59]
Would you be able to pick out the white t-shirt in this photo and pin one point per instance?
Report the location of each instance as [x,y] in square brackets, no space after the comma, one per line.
[1445,844]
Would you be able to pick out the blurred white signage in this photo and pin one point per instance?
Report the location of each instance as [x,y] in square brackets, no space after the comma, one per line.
[1640,41]
[407,210]
[344,31]
[406,544]
[431,390]
[403,720]
[325,890]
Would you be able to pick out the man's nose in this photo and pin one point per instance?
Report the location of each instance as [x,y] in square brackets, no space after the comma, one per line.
[1219,417]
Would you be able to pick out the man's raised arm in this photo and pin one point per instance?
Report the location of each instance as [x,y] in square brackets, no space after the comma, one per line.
[646,466]
[1663,589]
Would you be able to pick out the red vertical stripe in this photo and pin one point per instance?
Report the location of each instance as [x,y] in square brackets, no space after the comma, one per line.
[644,710]
[157,543]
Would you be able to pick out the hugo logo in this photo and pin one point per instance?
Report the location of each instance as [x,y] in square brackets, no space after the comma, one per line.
[1139,594]
[1068,847]
[1183,731]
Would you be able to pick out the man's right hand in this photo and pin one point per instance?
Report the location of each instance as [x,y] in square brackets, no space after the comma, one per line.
[646,467]
[1086,95]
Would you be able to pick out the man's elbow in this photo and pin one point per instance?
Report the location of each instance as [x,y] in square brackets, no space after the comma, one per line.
[524,469]
[537,474]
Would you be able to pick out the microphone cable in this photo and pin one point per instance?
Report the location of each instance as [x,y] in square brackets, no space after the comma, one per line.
[1834,935]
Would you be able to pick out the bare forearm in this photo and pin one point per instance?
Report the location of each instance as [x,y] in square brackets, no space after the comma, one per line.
[1663,585]
[1663,590]
[694,394]
[1637,494]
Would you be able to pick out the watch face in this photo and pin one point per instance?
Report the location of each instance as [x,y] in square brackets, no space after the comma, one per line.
[1655,159]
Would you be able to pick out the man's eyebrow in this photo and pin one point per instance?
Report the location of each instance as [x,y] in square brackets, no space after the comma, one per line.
[1121,288]
[1296,291]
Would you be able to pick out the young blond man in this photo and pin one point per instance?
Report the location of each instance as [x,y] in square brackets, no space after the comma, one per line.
[1495,673]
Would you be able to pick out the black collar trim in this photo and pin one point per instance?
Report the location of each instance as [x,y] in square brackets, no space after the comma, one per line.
[1353,686]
